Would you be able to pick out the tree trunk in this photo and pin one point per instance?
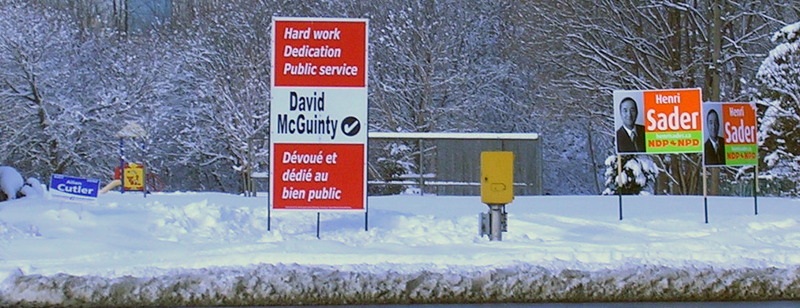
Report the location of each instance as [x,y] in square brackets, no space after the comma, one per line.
[591,160]
[717,37]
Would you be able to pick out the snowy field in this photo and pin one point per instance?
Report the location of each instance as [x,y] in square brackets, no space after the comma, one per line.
[194,248]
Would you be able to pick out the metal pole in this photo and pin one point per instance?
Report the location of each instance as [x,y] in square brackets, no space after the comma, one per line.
[716,38]
[317,225]
[421,170]
[269,196]
[755,189]
[619,184]
[495,217]
[366,188]
[705,191]
[144,166]
[121,165]
[250,183]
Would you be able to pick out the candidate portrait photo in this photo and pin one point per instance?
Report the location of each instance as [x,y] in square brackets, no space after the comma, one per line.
[714,145]
[630,133]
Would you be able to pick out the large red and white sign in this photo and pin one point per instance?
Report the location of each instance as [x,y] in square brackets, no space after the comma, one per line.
[318,114]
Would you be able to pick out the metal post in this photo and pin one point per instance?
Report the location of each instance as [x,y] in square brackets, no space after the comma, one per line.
[250,186]
[421,169]
[755,189]
[121,166]
[619,184]
[495,222]
[317,225]
[705,192]
[144,166]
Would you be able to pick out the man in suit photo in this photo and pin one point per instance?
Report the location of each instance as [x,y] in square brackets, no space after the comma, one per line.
[714,147]
[630,136]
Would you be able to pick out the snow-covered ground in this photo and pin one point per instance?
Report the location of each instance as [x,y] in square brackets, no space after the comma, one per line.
[201,248]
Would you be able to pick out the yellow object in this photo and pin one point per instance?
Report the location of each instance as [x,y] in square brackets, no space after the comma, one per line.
[113,184]
[133,177]
[497,177]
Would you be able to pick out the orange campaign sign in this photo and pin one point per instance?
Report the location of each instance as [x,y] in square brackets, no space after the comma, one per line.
[730,134]
[741,139]
[673,121]
[318,114]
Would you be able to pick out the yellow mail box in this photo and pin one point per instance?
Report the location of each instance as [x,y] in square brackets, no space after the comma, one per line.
[497,177]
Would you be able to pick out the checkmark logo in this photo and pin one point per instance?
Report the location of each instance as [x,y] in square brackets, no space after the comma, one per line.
[351,126]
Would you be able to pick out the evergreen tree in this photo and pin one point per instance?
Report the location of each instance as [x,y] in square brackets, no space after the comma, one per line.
[778,95]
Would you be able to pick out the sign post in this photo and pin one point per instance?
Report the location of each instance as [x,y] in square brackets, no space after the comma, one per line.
[318,114]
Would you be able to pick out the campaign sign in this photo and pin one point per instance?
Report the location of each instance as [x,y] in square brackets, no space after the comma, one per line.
[741,134]
[659,121]
[73,188]
[318,114]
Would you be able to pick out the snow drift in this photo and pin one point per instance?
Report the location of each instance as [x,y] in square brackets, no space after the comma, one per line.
[215,249]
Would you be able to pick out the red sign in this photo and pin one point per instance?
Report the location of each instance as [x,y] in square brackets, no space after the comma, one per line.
[320,53]
[317,176]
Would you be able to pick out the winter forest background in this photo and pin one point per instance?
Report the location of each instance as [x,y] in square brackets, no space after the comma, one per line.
[195,75]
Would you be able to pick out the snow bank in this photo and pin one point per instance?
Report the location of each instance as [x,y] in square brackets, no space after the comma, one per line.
[266,285]
[10,181]
[214,249]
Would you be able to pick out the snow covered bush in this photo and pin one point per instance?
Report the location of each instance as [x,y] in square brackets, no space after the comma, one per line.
[778,95]
[393,159]
[638,174]
[33,188]
[10,182]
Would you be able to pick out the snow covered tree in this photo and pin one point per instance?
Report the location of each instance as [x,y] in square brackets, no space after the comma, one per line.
[51,120]
[432,67]
[436,66]
[644,44]
[778,94]
[71,76]
[226,125]
[638,175]
[70,92]
[151,84]
[393,158]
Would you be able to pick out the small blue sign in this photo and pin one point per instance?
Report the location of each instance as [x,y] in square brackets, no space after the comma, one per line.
[74,188]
